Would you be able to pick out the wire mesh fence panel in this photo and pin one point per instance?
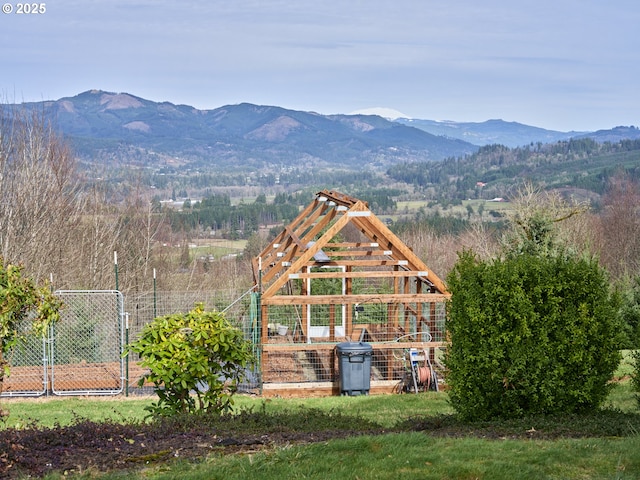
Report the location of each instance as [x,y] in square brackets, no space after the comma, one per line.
[142,308]
[28,372]
[88,341]
[369,322]
[390,365]
[305,350]
[83,354]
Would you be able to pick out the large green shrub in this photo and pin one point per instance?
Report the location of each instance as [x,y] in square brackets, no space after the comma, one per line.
[630,315]
[530,334]
[196,361]
[635,376]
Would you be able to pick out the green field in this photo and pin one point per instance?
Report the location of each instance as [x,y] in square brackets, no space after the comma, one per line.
[486,206]
[218,248]
[418,436]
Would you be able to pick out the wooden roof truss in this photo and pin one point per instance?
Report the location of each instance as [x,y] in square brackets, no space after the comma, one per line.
[310,241]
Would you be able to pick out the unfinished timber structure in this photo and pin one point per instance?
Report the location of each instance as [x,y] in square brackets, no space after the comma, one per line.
[337,274]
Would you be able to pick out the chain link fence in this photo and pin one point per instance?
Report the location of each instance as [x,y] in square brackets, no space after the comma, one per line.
[87,344]
[83,353]
[80,355]
[29,368]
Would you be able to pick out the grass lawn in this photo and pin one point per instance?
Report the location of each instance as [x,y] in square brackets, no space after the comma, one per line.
[418,456]
[381,409]
[419,437]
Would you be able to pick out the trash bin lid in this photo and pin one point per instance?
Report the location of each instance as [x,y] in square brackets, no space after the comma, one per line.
[353,347]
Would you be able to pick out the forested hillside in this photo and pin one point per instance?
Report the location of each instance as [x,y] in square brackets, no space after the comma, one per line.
[494,169]
[122,129]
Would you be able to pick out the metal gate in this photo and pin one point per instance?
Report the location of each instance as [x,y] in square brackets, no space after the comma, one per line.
[29,364]
[87,344]
[82,355]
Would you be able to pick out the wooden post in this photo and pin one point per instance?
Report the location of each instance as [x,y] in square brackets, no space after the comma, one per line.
[332,322]
[348,321]
[432,328]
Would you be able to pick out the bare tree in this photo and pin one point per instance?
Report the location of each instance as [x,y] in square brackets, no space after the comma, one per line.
[137,240]
[535,218]
[39,205]
[620,228]
[90,264]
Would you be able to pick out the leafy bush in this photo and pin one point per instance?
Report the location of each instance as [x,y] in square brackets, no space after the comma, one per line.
[22,303]
[196,361]
[530,334]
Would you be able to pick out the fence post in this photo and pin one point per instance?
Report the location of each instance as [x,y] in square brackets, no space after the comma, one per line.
[115,266]
[126,358]
[154,295]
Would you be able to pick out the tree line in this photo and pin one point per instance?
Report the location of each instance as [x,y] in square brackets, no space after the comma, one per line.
[487,173]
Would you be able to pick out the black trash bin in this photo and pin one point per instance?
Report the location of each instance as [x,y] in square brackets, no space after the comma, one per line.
[354,366]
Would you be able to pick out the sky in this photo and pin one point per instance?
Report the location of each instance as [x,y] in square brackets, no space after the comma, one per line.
[563,65]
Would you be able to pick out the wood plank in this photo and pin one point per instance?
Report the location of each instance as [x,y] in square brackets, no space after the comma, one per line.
[295,237]
[372,262]
[356,298]
[339,197]
[355,253]
[294,347]
[355,245]
[380,229]
[293,254]
[306,256]
[284,240]
[359,274]
[323,389]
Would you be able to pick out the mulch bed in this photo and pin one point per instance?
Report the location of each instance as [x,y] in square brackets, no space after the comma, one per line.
[104,447]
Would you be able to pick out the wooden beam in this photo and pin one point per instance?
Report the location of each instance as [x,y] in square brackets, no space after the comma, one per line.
[280,238]
[323,389]
[355,263]
[366,263]
[356,253]
[357,298]
[338,197]
[319,225]
[282,249]
[359,274]
[303,230]
[295,252]
[355,245]
[307,255]
[376,227]
[295,237]
[303,347]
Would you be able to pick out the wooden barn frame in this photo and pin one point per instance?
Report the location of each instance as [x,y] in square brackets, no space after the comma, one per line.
[317,289]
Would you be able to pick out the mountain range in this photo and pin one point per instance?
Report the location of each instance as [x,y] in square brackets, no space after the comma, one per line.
[512,134]
[120,127]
